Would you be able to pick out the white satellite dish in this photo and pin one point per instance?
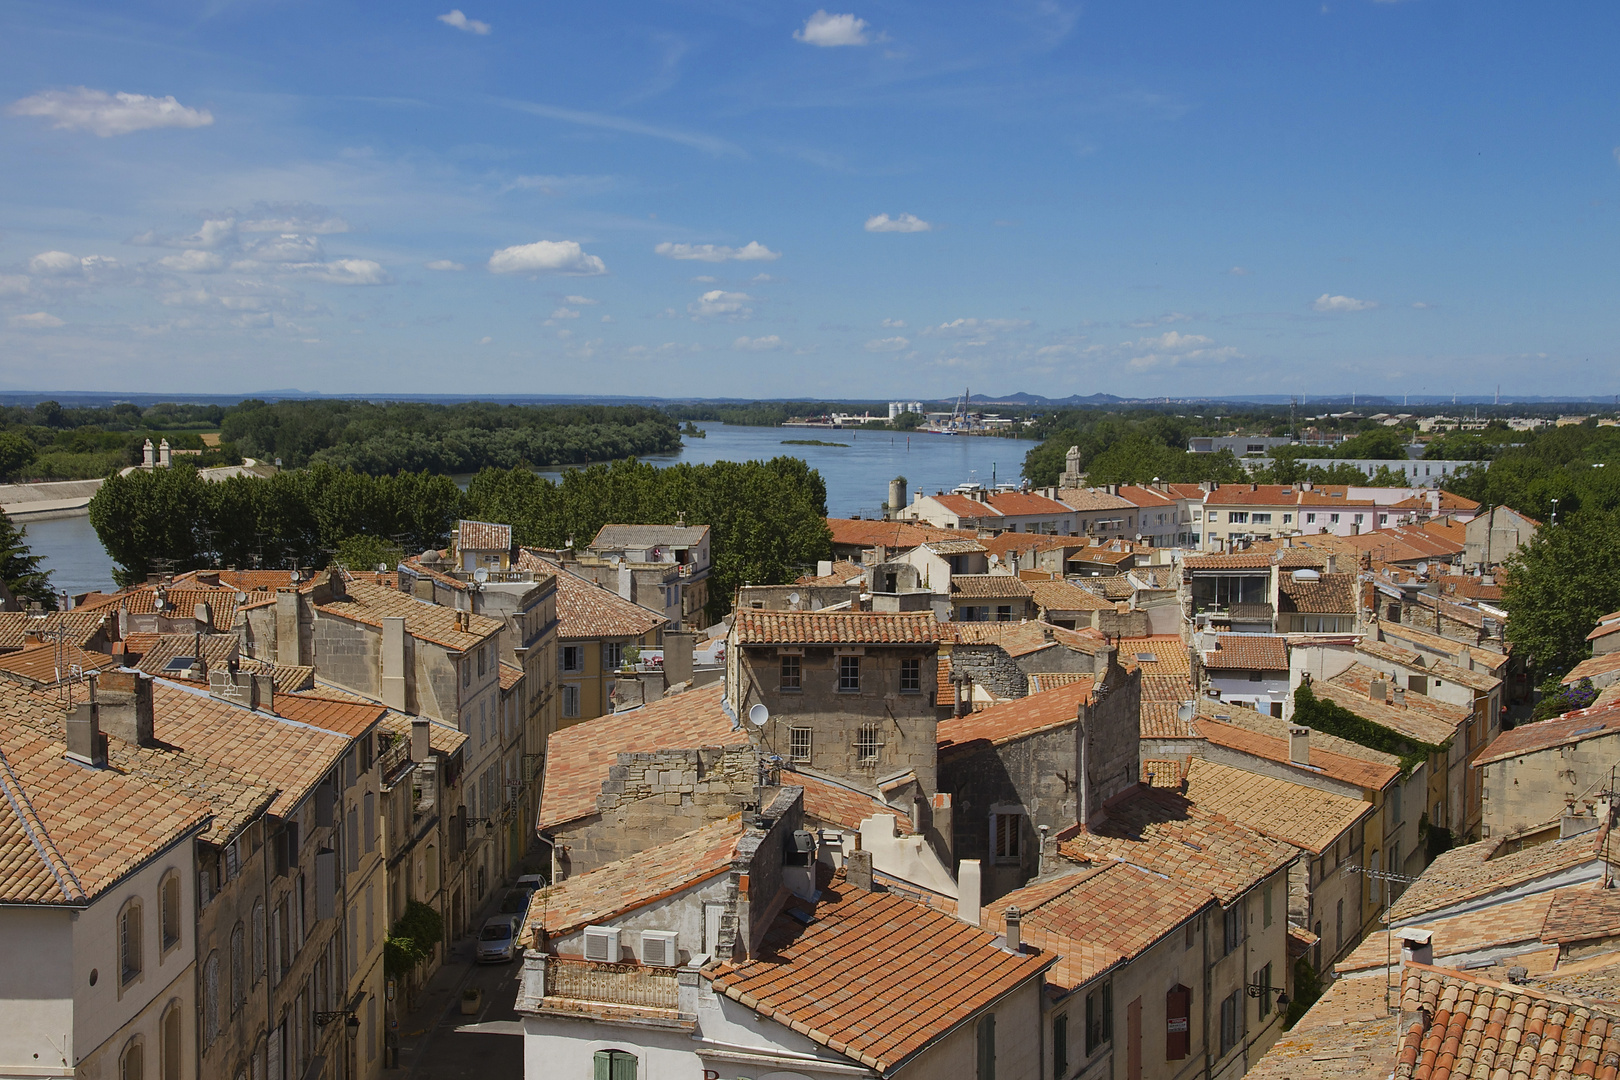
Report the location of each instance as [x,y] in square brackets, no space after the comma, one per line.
[481,575]
[758,715]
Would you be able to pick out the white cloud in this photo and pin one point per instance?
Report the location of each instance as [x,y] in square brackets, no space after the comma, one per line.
[976,328]
[1421,306]
[485,340]
[719,302]
[580,301]
[104,114]
[1171,317]
[831,30]
[545,257]
[296,218]
[54,264]
[38,320]
[894,324]
[349,272]
[565,313]
[286,248]
[767,343]
[443,264]
[456,19]
[194,261]
[215,233]
[1342,303]
[1170,340]
[705,279]
[1172,349]
[753,251]
[888,344]
[1238,271]
[13,284]
[607,318]
[254,320]
[902,223]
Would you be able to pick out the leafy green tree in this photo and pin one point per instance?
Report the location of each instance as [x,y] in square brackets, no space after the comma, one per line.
[19,567]
[1558,586]
[366,552]
[1381,442]
[1557,699]
[15,452]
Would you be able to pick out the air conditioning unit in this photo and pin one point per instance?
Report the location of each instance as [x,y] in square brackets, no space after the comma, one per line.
[602,944]
[660,948]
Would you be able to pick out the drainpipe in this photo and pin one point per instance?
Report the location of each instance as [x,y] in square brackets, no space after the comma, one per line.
[1209,1063]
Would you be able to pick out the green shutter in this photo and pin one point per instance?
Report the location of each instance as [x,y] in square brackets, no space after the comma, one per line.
[604,1065]
[624,1067]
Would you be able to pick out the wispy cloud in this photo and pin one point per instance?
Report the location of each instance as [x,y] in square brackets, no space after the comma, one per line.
[444,264]
[36,320]
[901,223]
[456,19]
[828,31]
[104,114]
[546,257]
[768,343]
[1342,303]
[607,122]
[753,251]
[888,344]
[718,302]
[1238,271]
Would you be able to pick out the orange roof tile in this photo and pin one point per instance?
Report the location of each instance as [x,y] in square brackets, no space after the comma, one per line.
[483,536]
[1483,869]
[1096,918]
[1303,816]
[1248,652]
[965,508]
[38,665]
[1092,500]
[1019,718]
[1063,596]
[1423,718]
[1243,560]
[873,976]
[1162,720]
[1592,667]
[370,604]
[988,586]
[1369,775]
[1158,654]
[1582,914]
[835,628]
[1566,730]
[578,757]
[510,675]
[837,804]
[1252,495]
[1024,504]
[843,572]
[617,888]
[348,718]
[586,610]
[894,535]
[1330,594]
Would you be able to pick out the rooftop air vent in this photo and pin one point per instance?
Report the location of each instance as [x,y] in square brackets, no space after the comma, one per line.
[602,944]
[659,948]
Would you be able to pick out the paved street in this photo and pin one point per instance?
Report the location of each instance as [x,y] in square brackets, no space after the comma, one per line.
[438,1043]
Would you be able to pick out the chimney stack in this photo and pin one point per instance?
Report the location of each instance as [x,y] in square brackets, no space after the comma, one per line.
[421,740]
[858,869]
[1400,697]
[1377,690]
[1417,946]
[968,891]
[1299,745]
[1013,939]
[678,656]
[124,706]
[85,742]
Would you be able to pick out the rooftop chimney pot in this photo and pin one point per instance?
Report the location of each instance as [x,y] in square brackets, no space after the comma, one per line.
[1012,940]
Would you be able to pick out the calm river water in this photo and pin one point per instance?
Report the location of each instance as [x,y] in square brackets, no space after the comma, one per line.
[857,472]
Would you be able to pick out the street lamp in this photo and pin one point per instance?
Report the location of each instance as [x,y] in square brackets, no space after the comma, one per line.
[1555,511]
[352,1021]
[1261,990]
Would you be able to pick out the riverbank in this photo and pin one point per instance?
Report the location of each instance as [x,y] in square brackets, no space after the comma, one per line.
[46,501]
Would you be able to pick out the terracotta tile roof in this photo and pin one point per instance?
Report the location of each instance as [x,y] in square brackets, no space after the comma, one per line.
[1368,775]
[1041,681]
[837,804]
[1169,654]
[1016,638]
[1582,915]
[874,976]
[1062,596]
[178,603]
[1441,669]
[68,832]
[1091,500]
[894,535]
[1161,720]
[1149,496]
[954,547]
[1461,1026]
[1017,719]
[1447,500]
[586,610]
[1348,1034]
[1172,689]
[1252,495]
[1167,773]
[1566,730]
[1332,594]
[1422,718]
[348,718]
[234,798]
[1097,918]
[578,757]
[36,665]
[18,628]
[442,738]
[1023,504]
[1006,544]
[1108,586]
[945,694]
[965,508]
[1243,560]
[1426,642]
[835,628]
[483,536]
[1305,817]
[1593,667]
[1089,641]
[614,890]
[1248,652]
[1406,543]
[510,675]
[988,586]
[217,651]
[14,627]
[1507,929]
[370,604]
[1105,555]
[1168,834]
[844,572]
[620,537]
[1475,871]
[289,757]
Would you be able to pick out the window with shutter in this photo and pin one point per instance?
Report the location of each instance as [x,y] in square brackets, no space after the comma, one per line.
[1177,1023]
[258,940]
[238,968]
[614,1065]
[1099,1018]
[1060,1045]
[211,999]
[169,909]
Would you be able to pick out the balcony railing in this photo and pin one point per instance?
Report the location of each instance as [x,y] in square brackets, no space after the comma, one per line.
[394,758]
[629,985]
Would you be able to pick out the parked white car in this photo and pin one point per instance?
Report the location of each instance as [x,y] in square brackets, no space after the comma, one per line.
[497,941]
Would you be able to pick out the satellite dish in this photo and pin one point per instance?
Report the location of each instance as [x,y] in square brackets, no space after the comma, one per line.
[481,575]
[793,598]
[758,715]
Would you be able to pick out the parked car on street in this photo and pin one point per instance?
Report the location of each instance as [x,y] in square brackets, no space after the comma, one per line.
[497,941]
[515,902]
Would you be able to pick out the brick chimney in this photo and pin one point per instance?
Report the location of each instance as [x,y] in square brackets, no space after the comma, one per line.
[1299,744]
[421,740]
[124,706]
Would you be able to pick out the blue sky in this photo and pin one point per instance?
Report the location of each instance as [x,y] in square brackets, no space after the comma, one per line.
[764,198]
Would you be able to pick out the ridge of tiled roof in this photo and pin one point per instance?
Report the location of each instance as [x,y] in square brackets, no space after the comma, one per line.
[873,976]
[966,508]
[1422,717]
[894,535]
[234,798]
[588,610]
[1566,730]
[578,757]
[1253,495]
[836,802]
[1592,667]
[1003,544]
[1015,638]
[1475,871]
[844,572]
[615,537]
[1019,718]
[483,536]
[1581,914]
[1092,500]
[1168,651]
[1297,814]
[617,888]
[1166,833]
[1369,775]
[954,547]
[1064,596]
[1330,594]
[1095,918]
[1251,652]
[1023,504]
[1242,560]
[835,628]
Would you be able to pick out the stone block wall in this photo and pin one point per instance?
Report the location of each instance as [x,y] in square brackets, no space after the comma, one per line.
[990,666]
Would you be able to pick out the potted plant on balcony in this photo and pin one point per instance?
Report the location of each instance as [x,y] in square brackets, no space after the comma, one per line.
[472,999]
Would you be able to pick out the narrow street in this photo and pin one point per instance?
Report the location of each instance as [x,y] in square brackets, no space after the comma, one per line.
[438,1042]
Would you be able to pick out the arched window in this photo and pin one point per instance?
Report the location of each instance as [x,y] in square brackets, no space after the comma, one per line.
[129,943]
[132,1062]
[238,969]
[258,940]
[169,909]
[614,1065]
[173,1050]
[210,1012]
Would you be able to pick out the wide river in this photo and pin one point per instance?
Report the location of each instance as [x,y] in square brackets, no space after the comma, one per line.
[857,471]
